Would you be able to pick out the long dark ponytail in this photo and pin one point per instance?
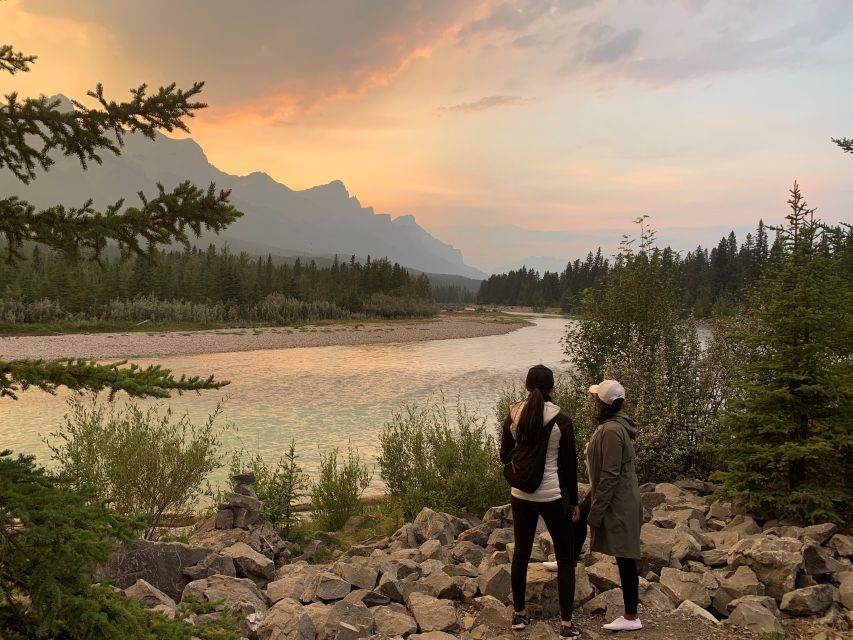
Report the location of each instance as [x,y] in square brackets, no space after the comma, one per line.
[540,383]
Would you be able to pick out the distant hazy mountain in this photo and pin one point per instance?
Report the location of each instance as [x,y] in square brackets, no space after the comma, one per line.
[322,220]
[536,263]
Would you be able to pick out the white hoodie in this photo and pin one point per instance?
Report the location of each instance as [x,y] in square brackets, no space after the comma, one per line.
[549,489]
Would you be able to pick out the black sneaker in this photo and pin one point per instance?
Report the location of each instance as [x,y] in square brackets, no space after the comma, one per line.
[520,622]
[570,632]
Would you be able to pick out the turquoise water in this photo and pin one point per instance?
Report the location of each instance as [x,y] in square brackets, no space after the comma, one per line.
[324,396]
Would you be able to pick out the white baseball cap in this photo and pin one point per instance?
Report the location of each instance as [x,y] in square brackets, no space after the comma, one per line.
[608,391]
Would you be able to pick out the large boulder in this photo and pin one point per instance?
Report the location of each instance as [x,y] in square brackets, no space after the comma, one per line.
[842,545]
[291,581]
[355,615]
[326,586]
[360,576]
[492,613]
[432,525]
[818,560]
[811,601]
[286,620]
[776,562]
[690,608]
[497,582]
[683,585]
[241,596]
[250,564]
[433,614]
[819,533]
[213,565]
[604,575]
[160,564]
[609,603]
[542,601]
[743,582]
[149,595]
[394,620]
[652,596]
[666,548]
[756,619]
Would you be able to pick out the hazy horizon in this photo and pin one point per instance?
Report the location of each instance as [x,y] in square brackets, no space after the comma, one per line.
[566,119]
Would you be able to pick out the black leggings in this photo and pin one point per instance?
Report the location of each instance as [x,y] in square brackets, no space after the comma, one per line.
[525,516]
[629,575]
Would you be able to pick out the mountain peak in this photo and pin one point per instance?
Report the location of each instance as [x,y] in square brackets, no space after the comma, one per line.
[65,105]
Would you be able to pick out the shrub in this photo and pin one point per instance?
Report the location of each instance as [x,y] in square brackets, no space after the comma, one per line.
[279,487]
[427,463]
[336,494]
[52,539]
[137,461]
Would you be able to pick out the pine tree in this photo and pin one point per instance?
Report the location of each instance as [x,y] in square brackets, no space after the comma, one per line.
[788,439]
[33,129]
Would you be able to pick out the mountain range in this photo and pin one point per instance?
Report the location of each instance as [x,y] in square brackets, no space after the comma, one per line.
[322,220]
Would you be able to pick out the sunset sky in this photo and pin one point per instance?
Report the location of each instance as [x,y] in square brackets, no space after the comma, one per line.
[566,118]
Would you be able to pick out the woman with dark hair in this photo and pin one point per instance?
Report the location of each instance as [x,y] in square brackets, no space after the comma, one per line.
[615,512]
[538,453]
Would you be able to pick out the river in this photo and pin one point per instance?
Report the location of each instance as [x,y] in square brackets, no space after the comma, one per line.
[324,396]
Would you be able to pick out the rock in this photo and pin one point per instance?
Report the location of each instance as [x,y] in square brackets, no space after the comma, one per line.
[318,612]
[433,635]
[160,564]
[241,596]
[669,490]
[465,551]
[356,615]
[542,601]
[149,595]
[492,613]
[404,537]
[368,598]
[479,535]
[286,620]
[721,510]
[666,547]
[218,539]
[845,590]
[653,597]
[500,538]
[842,545]
[465,569]
[715,558]
[394,620]
[431,525]
[584,590]
[251,564]
[743,582]
[392,588]
[501,515]
[604,575]
[326,586]
[224,518]
[609,603]
[291,582]
[723,540]
[691,608]
[541,630]
[756,619]
[818,560]
[743,525]
[681,586]
[440,585]
[763,601]
[212,565]
[362,577]
[433,614]
[497,582]
[820,533]
[432,550]
[811,601]
[652,499]
[776,562]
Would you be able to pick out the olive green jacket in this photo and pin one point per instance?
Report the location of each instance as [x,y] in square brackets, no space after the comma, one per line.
[616,514]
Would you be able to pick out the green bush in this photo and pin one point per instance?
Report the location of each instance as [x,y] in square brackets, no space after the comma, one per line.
[137,461]
[336,494]
[427,463]
[279,487]
[52,539]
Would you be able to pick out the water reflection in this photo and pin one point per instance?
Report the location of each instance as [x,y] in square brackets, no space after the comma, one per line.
[325,396]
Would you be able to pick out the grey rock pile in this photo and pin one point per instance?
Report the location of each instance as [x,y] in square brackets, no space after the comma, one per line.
[442,577]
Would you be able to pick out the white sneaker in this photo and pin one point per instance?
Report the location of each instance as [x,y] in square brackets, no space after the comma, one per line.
[621,624]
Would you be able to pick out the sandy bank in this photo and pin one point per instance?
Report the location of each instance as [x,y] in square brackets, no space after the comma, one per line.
[106,346]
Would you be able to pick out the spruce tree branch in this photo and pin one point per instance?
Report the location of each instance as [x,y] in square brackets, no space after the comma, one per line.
[33,127]
[85,375]
[167,218]
[14,61]
[846,144]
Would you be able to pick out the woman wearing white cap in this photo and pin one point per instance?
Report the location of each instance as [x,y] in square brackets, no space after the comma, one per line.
[615,514]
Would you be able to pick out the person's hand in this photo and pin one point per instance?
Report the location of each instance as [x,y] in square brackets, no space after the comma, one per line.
[576,513]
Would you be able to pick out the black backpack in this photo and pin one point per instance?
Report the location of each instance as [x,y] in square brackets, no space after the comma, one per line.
[526,465]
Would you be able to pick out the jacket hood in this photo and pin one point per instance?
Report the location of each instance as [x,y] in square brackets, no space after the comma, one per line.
[626,421]
[549,413]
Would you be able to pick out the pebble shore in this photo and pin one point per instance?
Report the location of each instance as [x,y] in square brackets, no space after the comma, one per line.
[109,346]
